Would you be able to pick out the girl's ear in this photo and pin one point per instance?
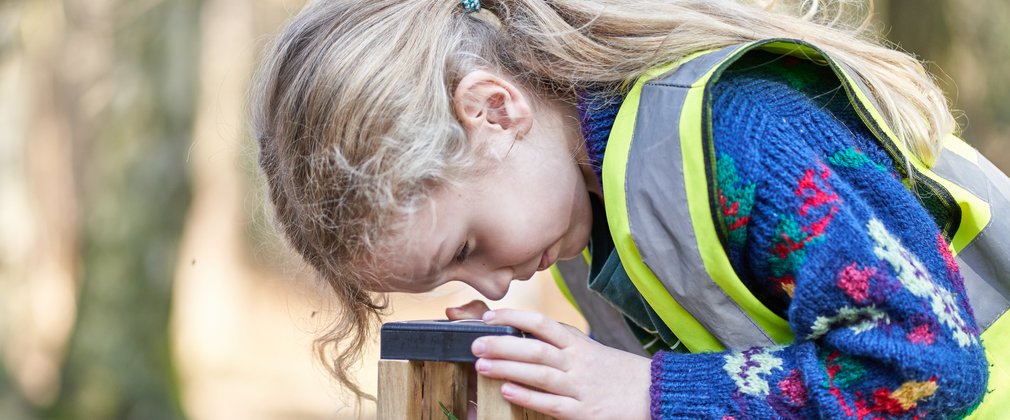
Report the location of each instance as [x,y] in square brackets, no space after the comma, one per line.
[485,102]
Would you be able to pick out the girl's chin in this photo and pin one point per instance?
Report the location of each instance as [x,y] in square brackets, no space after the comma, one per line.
[575,251]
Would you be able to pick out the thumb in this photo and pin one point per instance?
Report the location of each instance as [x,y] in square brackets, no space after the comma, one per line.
[473,310]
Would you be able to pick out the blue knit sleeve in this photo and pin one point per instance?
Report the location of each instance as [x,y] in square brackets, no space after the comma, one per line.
[822,230]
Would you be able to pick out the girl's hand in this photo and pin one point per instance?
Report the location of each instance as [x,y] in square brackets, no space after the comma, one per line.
[565,374]
[473,310]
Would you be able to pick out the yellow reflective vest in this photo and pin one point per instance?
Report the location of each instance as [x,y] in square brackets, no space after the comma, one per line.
[678,263]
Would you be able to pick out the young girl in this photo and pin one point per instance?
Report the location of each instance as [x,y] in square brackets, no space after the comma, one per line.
[787,271]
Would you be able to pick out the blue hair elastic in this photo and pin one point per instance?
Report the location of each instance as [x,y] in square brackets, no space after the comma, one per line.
[470,5]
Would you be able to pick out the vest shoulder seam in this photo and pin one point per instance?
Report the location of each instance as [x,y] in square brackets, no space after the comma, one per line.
[667,84]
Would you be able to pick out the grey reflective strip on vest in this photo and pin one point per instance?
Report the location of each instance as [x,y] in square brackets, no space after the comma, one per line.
[985,260]
[658,214]
[606,324]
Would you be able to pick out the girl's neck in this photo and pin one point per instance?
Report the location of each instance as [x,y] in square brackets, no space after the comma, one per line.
[566,112]
[574,133]
[589,175]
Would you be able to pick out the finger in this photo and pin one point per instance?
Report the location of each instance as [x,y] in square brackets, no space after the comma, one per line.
[520,350]
[538,376]
[535,323]
[573,329]
[556,406]
[472,310]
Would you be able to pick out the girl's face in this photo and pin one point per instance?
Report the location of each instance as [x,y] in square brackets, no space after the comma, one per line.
[527,209]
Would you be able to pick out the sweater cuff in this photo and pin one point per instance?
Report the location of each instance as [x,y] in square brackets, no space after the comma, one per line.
[689,386]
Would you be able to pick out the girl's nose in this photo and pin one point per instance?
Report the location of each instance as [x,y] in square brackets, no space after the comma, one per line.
[492,283]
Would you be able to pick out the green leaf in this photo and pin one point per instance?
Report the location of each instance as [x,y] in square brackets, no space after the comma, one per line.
[448,414]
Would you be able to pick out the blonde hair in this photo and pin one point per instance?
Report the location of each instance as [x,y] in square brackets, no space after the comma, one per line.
[354,117]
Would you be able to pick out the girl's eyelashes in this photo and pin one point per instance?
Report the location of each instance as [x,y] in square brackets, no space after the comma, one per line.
[463,251]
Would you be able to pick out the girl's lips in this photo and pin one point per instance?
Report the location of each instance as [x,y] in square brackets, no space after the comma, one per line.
[545,260]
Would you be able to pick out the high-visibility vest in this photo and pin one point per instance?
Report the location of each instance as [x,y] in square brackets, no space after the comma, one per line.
[664,232]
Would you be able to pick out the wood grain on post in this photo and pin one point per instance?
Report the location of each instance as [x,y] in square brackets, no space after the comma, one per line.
[399,390]
[415,389]
[445,383]
[492,406]
[411,390]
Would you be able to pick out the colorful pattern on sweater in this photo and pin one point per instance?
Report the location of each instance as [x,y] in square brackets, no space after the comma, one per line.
[735,200]
[855,282]
[916,278]
[852,157]
[846,255]
[858,320]
[749,366]
[844,373]
[789,246]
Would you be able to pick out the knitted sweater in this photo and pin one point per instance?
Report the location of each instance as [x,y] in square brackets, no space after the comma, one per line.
[822,230]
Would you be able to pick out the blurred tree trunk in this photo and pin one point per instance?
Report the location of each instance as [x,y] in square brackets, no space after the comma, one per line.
[968,46]
[38,208]
[131,127]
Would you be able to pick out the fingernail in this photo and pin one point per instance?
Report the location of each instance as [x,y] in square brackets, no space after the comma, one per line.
[482,365]
[488,316]
[507,390]
[478,347]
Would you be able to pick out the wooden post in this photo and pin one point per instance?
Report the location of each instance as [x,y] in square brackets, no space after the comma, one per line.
[491,405]
[399,390]
[411,389]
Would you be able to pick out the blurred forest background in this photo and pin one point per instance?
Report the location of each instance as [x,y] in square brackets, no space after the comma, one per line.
[139,275]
